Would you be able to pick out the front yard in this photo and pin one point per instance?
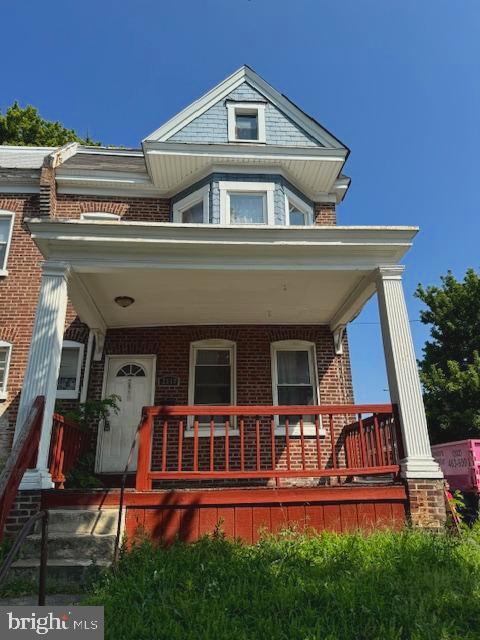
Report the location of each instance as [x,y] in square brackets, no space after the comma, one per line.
[387,586]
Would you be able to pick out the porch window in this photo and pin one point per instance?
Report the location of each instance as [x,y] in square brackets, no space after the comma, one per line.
[68,385]
[247,202]
[212,379]
[298,212]
[5,352]
[6,228]
[246,122]
[194,208]
[294,381]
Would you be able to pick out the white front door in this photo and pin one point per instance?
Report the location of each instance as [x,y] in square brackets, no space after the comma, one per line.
[130,378]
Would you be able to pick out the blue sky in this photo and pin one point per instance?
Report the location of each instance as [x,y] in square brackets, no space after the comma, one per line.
[396,80]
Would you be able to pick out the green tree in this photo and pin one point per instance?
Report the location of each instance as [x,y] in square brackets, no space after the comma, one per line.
[450,368]
[25,126]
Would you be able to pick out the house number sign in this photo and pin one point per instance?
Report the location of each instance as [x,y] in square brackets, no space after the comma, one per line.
[169,381]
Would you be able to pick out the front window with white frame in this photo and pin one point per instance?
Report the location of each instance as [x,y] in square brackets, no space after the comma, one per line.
[5,353]
[298,212]
[294,380]
[6,230]
[246,122]
[212,379]
[247,203]
[68,385]
[194,208]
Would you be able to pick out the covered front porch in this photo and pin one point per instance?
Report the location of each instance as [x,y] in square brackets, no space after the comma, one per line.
[221,288]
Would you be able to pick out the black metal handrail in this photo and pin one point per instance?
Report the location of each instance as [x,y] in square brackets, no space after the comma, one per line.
[11,555]
[116,548]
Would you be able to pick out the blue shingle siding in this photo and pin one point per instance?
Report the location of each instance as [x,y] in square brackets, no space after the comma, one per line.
[212,126]
[279,196]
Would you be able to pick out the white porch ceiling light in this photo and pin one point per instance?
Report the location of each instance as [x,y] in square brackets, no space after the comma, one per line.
[124,301]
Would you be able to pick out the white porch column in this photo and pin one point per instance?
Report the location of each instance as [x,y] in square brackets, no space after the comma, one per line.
[403,378]
[43,364]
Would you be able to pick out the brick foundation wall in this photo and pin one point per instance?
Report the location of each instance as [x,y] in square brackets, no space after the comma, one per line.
[426,503]
[26,504]
[325,213]
[133,209]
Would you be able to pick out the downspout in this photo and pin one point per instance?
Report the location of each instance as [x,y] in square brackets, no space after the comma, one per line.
[88,362]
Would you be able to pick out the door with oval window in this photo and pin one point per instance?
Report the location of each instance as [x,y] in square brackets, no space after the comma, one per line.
[130,378]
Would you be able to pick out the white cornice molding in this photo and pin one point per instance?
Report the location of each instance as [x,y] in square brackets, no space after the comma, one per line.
[224,88]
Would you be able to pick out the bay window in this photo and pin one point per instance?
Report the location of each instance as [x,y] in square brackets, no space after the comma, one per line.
[247,202]
[194,208]
[298,212]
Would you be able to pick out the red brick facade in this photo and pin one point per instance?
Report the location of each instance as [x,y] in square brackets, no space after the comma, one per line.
[130,209]
[18,300]
[325,214]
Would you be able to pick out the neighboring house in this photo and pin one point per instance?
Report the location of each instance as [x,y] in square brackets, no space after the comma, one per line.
[205,270]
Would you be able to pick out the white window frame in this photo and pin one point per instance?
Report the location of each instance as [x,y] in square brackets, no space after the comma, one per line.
[100,216]
[203,345]
[265,189]
[246,108]
[291,198]
[11,215]
[191,200]
[4,385]
[72,394]
[296,345]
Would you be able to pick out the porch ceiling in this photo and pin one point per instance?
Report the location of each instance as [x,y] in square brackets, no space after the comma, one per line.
[186,296]
[213,274]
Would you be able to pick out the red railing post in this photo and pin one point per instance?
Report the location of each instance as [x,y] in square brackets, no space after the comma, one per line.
[143,480]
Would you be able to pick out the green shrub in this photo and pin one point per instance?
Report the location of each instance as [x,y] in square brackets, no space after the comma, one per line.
[387,586]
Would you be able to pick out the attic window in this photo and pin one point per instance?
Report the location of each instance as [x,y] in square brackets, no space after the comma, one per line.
[246,122]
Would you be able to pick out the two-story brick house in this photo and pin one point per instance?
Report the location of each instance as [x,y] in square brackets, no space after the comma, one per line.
[207,270]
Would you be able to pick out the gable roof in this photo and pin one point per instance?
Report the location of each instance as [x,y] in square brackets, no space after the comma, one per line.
[220,91]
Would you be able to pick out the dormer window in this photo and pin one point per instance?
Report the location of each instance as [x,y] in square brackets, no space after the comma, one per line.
[246,122]
[298,212]
[194,208]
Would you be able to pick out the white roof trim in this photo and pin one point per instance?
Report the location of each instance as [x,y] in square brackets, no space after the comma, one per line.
[244,74]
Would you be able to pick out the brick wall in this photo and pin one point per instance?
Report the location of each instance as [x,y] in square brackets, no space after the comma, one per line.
[26,504]
[140,209]
[18,299]
[325,213]
[426,503]
[171,345]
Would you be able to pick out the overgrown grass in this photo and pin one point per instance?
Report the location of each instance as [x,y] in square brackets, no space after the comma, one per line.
[387,586]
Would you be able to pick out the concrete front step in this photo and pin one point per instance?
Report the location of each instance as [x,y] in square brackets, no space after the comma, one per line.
[69,547]
[82,521]
[80,544]
[79,572]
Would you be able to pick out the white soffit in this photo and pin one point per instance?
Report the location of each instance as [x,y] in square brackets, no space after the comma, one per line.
[176,165]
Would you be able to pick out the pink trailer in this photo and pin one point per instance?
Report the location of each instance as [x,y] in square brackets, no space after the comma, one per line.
[460,463]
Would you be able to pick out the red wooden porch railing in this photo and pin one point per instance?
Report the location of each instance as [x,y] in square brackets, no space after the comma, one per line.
[235,442]
[69,441]
[22,457]
[372,440]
